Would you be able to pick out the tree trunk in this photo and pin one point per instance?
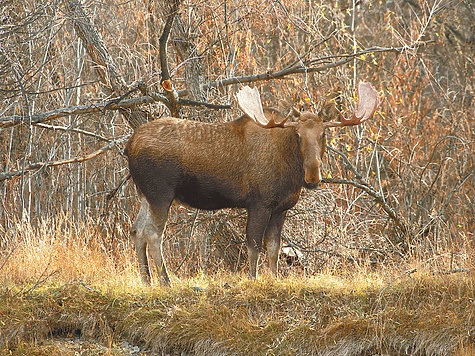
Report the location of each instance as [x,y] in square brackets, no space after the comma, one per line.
[113,82]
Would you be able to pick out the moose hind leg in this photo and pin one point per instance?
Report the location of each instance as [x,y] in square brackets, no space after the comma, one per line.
[141,249]
[257,220]
[155,241]
[272,239]
[137,232]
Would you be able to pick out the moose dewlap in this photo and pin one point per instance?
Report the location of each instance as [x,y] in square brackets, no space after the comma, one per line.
[259,162]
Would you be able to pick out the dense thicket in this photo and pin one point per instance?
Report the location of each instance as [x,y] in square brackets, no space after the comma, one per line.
[415,154]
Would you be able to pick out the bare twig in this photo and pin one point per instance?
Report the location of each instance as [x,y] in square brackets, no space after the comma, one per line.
[40,279]
[70,129]
[456,270]
[112,193]
[295,68]
[40,165]
[10,121]
[70,110]
[405,273]
[361,184]
[82,283]
[441,212]
[377,197]
[186,102]
[104,64]
[347,161]
[316,249]
[453,191]
[166,83]
[303,68]
[188,252]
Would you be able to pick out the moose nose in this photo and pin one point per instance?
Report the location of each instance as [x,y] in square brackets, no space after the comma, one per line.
[312,174]
[313,179]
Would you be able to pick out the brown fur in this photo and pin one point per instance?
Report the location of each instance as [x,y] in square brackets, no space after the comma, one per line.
[223,165]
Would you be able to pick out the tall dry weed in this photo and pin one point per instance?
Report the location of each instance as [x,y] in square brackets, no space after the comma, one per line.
[61,250]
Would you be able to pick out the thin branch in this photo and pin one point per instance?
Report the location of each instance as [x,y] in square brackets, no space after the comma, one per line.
[166,83]
[405,273]
[112,193]
[186,102]
[453,191]
[41,165]
[440,213]
[70,129]
[361,184]
[104,64]
[10,121]
[456,270]
[316,249]
[347,161]
[95,47]
[73,110]
[377,197]
[296,68]
[188,252]
[151,97]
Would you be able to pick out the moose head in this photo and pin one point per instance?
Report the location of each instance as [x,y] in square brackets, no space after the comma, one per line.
[310,127]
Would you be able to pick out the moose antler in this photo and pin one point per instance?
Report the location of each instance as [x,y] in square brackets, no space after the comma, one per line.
[249,101]
[367,105]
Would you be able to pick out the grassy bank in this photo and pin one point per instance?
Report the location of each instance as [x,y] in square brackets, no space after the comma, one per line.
[231,315]
[57,283]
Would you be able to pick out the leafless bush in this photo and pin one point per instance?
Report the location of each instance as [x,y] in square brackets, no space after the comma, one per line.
[416,154]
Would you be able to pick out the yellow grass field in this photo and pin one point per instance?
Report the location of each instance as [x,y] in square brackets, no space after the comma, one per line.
[58,282]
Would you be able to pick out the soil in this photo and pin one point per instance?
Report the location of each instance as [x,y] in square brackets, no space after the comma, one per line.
[83,347]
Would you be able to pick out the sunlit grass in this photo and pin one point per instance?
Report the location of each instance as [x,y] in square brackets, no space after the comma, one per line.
[63,278]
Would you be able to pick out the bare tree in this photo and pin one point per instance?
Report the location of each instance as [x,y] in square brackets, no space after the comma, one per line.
[71,93]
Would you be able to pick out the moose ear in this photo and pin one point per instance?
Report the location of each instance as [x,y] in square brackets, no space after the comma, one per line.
[293,115]
[329,112]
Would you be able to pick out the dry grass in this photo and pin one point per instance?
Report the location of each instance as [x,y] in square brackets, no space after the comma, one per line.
[61,279]
[62,250]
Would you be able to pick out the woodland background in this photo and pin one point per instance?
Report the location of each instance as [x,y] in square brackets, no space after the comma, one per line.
[386,241]
[67,108]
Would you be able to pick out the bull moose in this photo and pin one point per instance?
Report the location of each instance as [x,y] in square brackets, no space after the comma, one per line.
[259,162]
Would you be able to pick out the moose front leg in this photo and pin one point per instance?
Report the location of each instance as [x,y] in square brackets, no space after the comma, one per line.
[257,220]
[272,239]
